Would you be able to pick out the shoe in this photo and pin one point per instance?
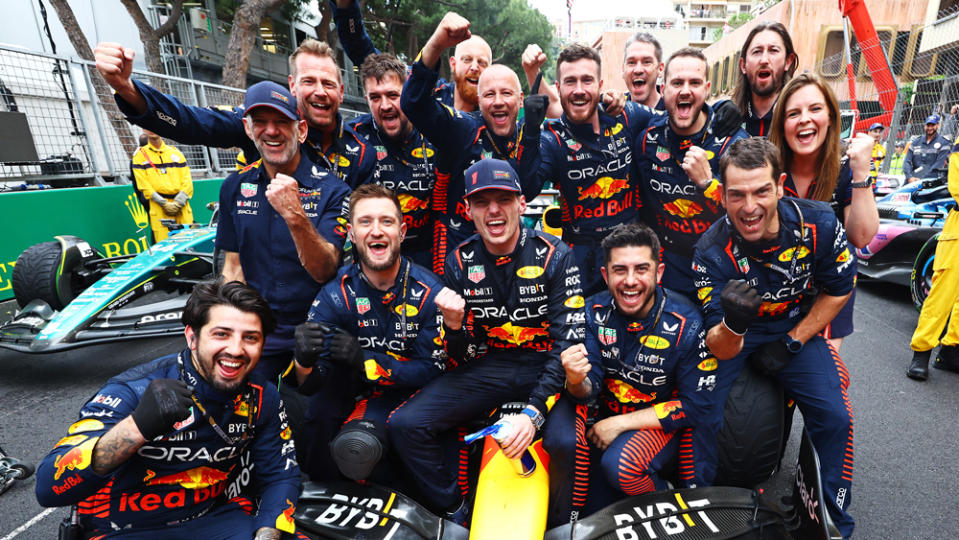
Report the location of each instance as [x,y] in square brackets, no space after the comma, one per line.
[460,516]
[919,368]
[948,358]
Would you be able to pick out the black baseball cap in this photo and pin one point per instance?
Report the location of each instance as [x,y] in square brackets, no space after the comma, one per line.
[273,95]
[491,174]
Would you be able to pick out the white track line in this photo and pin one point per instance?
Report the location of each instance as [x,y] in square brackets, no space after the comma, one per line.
[28,524]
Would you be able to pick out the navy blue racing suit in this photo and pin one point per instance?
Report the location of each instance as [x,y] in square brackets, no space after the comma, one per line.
[191,476]
[398,330]
[923,157]
[460,139]
[357,45]
[672,205]
[757,126]
[842,324]
[522,311]
[408,168]
[659,361]
[250,226]
[782,272]
[593,174]
[349,158]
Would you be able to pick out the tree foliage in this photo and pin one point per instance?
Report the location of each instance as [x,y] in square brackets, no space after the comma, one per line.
[403,26]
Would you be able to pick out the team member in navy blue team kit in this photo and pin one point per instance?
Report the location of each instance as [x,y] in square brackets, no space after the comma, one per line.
[767,61]
[767,253]
[654,377]
[314,80]
[515,303]
[377,323]
[405,160]
[926,152]
[153,451]
[467,63]
[676,161]
[460,138]
[282,219]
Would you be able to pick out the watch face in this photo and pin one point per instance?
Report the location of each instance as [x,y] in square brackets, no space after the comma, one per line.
[793,345]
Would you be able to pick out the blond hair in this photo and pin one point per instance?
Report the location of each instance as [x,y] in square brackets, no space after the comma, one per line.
[316,48]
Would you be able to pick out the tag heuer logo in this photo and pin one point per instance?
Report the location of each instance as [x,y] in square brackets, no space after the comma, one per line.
[247,189]
[476,273]
[362,305]
[744,265]
[662,153]
[607,336]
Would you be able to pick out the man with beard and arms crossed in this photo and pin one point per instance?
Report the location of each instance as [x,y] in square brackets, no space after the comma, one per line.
[515,303]
[469,58]
[153,451]
[461,139]
[755,267]
[766,62]
[675,160]
[405,160]
[376,324]
[654,378]
[281,219]
[314,81]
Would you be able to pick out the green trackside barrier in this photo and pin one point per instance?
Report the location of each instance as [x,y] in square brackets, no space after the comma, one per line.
[109,218]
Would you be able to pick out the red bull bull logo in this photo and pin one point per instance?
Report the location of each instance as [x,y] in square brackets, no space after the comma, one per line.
[409,203]
[683,208]
[713,192]
[284,521]
[604,188]
[626,393]
[515,335]
[665,409]
[75,459]
[374,371]
[196,478]
[771,309]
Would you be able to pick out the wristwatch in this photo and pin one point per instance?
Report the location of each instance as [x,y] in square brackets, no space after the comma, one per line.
[792,344]
[864,184]
[537,417]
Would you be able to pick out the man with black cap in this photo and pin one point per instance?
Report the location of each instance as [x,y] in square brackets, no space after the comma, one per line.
[926,153]
[282,219]
[514,304]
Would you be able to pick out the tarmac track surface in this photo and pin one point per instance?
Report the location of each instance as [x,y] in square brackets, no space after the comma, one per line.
[905,485]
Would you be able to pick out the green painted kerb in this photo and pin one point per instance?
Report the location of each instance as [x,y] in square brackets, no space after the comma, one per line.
[110,218]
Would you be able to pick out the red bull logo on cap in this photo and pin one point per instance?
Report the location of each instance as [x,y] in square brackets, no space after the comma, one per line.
[196,478]
[604,188]
[683,208]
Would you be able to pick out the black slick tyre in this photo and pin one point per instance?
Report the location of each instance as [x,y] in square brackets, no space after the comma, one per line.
[920,282]
[36,275]
[751,440]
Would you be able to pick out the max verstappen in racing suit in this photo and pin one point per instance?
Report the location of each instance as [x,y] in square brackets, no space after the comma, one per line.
[515,303]
[282,220]
[461,139]
[467,63]
[405,160]
[154,451]
[675,160]
[375,324]
[654,378]
[765,256]
[314,81]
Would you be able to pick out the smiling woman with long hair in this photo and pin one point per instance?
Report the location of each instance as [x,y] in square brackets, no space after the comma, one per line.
[805,127]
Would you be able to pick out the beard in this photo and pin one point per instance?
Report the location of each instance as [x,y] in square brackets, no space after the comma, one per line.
[466,90]
[365,260]
[774,87]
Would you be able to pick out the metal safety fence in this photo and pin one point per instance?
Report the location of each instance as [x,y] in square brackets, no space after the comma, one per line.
[923,59]
[59,124]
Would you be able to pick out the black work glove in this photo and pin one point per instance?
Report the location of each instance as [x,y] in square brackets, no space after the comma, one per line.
[345,349]
[165,402]
[311,343]
[771,357]
[727,119]
[740,305]
[535,112]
